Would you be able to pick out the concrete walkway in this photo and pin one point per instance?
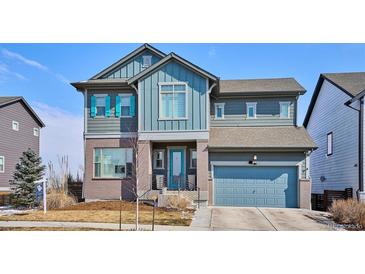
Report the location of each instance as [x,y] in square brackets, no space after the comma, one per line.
[260,219]
[92,225]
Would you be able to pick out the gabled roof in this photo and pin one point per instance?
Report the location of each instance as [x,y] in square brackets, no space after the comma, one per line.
[286,137]
[351,83]
[7,100]
[275,85]
[127,58]
[165,60]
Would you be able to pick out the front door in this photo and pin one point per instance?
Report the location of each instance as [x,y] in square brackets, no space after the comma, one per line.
[176,169]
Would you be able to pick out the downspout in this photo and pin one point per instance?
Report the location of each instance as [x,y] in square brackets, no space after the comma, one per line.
[360,144]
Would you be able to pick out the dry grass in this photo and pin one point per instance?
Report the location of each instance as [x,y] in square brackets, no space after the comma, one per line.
[348,212]
[58,199]
[106,212]
[178,202]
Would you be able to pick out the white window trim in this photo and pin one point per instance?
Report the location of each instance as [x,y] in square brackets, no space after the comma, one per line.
[155,152]
[191,158]
[248,105]
[164,92]
[15,123]
[288,104]
[216,105]
[143,59]
[3,170]
[124,95]
[36,132]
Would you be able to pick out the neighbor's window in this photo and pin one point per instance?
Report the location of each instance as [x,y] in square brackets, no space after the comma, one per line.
[193,158]
[284,109]
[15,125]
[173,101]
[329,144]
[147,61]
[251,110]
[113,162]
[36,132]
[100,105]
[125,105]
[219,110]
[2,164]
[158,159]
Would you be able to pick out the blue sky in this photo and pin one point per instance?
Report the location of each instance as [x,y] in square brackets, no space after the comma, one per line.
[41,72]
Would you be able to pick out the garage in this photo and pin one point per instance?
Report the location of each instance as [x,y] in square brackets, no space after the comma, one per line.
[255,186]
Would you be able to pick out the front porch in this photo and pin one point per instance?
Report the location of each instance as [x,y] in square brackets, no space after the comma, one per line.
[173,168]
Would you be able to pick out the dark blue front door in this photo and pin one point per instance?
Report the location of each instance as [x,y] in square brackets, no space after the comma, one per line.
[176,168]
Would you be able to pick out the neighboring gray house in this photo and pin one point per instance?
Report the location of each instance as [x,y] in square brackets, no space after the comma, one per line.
[175,127]
[19,130]
[335,122]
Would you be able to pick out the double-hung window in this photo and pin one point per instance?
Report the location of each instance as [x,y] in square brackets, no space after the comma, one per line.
[284,109]
[158,159]
[113,162]
[219,110]
[251,110]
[125,105]
[100,105]
[173,101]
[2,164]
[329,144]
[193,158]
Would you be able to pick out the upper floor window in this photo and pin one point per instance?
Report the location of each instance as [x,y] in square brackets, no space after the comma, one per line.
[173,101]
[193,158]
[113,162]
[15,125]
[125,105]
[329,144]
[284,109]
[36,132]
[100,105]
[251,110]
[219,110]
[147,61]
[158,159]
[2,164]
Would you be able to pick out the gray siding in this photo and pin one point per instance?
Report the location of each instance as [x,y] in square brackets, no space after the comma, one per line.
[267,112]
[14,143]
[331,115]
[196,98]
[296,157]
[110,124]
[132,67]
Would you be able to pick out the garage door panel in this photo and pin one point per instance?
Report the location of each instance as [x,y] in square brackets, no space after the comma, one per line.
[255,186]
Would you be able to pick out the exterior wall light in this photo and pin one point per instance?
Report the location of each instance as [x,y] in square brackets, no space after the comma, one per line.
[254,160]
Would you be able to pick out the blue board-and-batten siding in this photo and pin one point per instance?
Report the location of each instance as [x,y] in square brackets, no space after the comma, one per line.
[196,98]
[132,67]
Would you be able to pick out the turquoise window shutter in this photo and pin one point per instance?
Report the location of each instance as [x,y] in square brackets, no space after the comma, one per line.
[107,106]
[133,106]
[117,106]
[92,106]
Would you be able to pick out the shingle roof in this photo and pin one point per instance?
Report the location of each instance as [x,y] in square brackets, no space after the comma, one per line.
[261,85]
[4,100]
[351,83]
[117,82]
[288,137]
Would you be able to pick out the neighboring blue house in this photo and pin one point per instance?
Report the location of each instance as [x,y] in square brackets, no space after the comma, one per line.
[335,121]
[160,125]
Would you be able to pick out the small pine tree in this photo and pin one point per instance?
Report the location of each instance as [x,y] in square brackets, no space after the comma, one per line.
[27,172]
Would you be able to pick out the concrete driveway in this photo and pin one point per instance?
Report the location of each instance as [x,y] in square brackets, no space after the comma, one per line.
[260,219]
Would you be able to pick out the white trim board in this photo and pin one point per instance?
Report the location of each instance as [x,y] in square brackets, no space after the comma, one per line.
[110,135]
[174,135]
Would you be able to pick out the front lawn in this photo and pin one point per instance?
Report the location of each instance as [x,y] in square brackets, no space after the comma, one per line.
[107,212]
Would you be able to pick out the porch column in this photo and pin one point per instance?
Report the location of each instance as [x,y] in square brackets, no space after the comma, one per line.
[202,164]
[144,168]
[305,193]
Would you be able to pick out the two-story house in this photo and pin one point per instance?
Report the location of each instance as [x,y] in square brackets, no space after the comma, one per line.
[162,125]
[19,130]
[335,120]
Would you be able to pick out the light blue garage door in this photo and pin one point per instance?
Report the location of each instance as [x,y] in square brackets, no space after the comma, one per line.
[255,186]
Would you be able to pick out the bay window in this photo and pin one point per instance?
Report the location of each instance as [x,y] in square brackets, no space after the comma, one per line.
[113,162]
[173,101]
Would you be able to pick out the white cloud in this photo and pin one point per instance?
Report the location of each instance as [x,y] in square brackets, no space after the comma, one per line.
[21,58]
[63,135]
[5,72]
